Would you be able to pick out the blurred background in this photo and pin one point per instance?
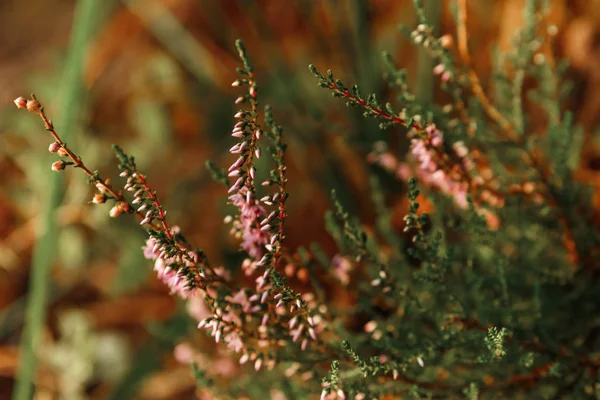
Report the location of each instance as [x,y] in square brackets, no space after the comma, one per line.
[154,76]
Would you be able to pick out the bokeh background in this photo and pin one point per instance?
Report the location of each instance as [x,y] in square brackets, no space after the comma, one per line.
[156,79]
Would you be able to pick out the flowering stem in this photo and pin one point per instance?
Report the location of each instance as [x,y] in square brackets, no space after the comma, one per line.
[155,202]
[78,162]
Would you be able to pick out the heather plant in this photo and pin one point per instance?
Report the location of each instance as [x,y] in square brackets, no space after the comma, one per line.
[491,292]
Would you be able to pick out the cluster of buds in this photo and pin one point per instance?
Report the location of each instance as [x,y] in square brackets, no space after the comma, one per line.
[440,69]
[436,168]
[330,393]
[423,35]
[342,267]
[59,147]
[183,270]
[444,169]
[242,193]
[32,105]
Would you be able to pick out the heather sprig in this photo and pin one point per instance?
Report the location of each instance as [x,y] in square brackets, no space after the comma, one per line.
[467,295]
[68,158]
[259,223]
[449,167]
[183,269]
[237,317]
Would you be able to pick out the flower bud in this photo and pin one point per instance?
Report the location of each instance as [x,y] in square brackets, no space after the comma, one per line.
[115,211]
[119,208]
[99,198]
[20,102]
[58,165]
[53,148]
[446,41]
[33,106]
[62,152]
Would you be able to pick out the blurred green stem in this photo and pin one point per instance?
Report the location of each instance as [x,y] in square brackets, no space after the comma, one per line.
[45,247]
[425,80]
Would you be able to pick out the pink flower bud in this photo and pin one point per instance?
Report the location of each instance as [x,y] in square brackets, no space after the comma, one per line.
[257,153]
[115,211]
[235,83]
[53,148]
[239,100]
[58,165]
[237,163]
[20,102]
[236,185]
[438,69]
[62,152]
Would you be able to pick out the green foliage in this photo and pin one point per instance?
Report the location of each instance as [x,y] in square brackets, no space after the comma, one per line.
[480,283]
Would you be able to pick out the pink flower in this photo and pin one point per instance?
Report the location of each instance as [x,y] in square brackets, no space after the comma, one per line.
[234,342]
[438,69]
[248,225]
[184,353]
[341,268]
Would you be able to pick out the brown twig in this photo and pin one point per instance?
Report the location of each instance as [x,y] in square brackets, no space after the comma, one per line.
[509,129]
